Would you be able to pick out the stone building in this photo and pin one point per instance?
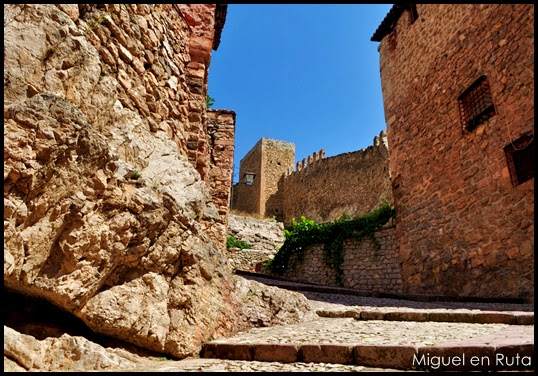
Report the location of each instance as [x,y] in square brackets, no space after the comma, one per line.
[458,89]
[320,188]
[260,171]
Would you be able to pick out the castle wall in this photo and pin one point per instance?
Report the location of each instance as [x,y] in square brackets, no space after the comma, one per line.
[324,188]
[463,228]
[247,198]
[278,159]
[364,267]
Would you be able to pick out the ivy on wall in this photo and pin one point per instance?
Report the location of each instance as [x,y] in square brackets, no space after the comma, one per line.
[332,234]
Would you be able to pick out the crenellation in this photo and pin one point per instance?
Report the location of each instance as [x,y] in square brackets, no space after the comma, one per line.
[319,188]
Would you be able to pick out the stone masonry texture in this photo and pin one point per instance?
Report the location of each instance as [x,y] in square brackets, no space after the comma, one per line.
[354,183]
[269,160]
[320,188]
[462,227]
[221,132]
[364,267]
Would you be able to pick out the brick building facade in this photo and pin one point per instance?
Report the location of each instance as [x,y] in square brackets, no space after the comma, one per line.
[458,89]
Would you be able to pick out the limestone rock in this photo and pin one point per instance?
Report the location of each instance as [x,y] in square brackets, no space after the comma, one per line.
[259,233]
[104,216]
[66,353]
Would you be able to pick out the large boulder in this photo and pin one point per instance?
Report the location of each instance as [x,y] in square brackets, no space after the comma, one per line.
[104,215]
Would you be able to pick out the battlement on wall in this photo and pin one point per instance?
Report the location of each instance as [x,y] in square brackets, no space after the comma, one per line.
[380,141]
[323,189]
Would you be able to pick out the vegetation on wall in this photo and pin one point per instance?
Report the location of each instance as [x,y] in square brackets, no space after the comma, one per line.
[209,101]
[332,234]
[232,242]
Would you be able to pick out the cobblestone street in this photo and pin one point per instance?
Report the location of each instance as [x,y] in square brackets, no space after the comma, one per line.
[340,337]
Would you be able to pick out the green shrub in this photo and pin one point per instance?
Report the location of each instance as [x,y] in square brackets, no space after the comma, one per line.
[232,242]
[331,234]
[209,101]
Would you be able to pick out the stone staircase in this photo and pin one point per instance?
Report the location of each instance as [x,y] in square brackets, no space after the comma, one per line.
[389,333]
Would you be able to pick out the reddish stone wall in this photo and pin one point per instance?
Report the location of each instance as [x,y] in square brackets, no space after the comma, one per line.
[221,131]
[462,227]
[353,183]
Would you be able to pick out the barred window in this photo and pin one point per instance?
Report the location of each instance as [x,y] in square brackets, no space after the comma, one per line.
[475,104]
[520,158]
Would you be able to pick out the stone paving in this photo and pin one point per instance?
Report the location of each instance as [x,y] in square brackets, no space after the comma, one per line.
[343,339]
[222,365]
[348,332]
[351,331]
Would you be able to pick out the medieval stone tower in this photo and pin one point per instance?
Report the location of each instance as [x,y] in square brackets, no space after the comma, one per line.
[260,171]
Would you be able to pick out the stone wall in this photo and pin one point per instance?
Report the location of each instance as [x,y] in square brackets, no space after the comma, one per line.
[247,198]
[260,234]
[221,133]
[269,160]
[247,259]
[364,267]
[463,227]
[278,159]
[353,183]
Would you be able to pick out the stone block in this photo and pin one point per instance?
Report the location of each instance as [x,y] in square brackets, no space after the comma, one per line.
[494,318]
[524,318]
[406,316]
[385,356]
[326,353]
[270,352]
[372,315]
[451,317]
[232,351]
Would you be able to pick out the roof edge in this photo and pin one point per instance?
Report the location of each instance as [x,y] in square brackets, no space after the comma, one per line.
[220,18]
[389,22]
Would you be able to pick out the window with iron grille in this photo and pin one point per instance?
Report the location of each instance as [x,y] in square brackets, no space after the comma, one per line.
[475,104]
[520,158]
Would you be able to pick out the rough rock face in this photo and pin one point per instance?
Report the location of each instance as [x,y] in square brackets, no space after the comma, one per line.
[67,353]
[256,232]
[104,215]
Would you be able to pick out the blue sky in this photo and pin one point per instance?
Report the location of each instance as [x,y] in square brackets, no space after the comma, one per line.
[304,73]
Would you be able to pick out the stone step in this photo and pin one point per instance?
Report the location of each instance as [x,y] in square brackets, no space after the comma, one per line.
[493,317]
[510,355]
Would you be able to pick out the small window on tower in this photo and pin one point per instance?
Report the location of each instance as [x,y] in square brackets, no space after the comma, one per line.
[520,158]
[249,178]
[476,105]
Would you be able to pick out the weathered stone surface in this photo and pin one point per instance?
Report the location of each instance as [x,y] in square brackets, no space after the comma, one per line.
[260,234]
[66,353]
[463,228]
[104,213]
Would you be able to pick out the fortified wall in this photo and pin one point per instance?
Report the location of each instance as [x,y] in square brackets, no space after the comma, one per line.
[319,188]
[322,189]
[265,164]
[458,90]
